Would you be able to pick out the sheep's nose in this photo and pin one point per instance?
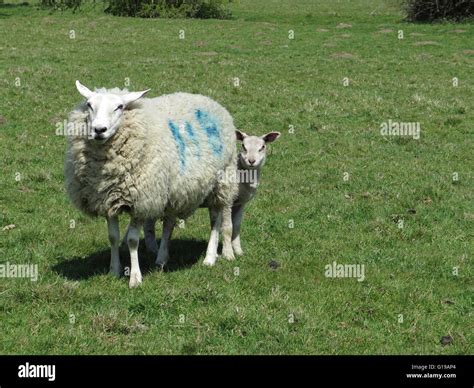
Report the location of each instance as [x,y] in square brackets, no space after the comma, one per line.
[100,130]
[252,162]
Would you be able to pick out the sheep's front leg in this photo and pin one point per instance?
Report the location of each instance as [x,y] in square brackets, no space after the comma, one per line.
[163,253]
[211,254]
[133,241]
[237,214]
[114,238]
[227,250]
[150,237]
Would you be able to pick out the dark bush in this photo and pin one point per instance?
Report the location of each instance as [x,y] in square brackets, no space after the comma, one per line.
[204,9]
[434,10]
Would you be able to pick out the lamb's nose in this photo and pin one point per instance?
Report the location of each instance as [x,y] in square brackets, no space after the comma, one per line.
[252,162]
[100,130]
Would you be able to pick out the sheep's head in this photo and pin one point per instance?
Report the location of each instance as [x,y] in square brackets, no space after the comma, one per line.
[106,110]
[254,149]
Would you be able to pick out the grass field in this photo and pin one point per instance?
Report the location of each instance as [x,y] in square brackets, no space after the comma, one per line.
[334,188]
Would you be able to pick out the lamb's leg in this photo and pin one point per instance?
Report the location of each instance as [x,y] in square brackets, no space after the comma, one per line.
[150,237]
[163,254]
[237,214]
[227,250]
[114,238]
[211,254]
[133,241]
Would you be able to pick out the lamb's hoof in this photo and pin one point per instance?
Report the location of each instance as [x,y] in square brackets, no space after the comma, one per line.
[209,261]
[135,280]
[229,255]
[117,272]
[238,251]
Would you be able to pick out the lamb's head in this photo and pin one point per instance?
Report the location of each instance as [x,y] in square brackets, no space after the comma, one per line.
[105,110]
[254,149]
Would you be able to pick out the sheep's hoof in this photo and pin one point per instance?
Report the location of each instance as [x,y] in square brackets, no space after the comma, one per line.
[161,260]
[209,261]
[160,265]
[117,272]
[135,280]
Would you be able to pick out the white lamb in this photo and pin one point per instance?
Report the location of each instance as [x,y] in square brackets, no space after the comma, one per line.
[152,158]
[249,165]
[251,158]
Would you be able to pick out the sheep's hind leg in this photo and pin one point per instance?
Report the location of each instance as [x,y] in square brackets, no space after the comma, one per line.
[237,214]
[163,253]
[114,238]
[150,237]
[133,241]
[125,236]
[227,250]
[211,254]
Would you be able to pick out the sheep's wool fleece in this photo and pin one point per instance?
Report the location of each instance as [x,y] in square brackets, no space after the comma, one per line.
[165,158]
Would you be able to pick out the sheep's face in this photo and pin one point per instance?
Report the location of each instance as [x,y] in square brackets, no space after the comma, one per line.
[105,111]
[254,149]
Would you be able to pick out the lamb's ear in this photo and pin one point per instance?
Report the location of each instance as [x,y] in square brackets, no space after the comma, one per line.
[240,135]
[85,92]
[133,96]
[271,136]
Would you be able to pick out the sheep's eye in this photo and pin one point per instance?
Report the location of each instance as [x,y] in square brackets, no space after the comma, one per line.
[262,148]
[243,147]
[89,106]
[120,107]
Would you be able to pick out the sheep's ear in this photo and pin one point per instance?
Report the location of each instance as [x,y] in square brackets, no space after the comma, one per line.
[271,136]
[84,91]
[133,96]
[240,135]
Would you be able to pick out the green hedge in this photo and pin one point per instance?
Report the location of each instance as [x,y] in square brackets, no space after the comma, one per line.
[61,4]
[204,9]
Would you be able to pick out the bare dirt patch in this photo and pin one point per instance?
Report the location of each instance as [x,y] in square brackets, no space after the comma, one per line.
[207,53]
[344,25]
[342,55]
[426,43]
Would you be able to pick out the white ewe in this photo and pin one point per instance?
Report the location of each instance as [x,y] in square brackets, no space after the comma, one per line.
[152,158]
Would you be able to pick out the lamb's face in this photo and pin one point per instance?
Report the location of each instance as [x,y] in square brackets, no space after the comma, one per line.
[254,149]
[106,111]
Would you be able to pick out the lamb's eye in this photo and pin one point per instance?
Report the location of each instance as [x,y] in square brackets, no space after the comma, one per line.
[89,106]
[243,147]
[120,107]
[262,148]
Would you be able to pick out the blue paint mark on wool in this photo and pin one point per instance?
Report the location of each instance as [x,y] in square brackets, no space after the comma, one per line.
[209,124]
[192,136]
[181,146]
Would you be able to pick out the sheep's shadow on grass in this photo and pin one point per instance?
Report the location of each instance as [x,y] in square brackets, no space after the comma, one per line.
[183,254]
